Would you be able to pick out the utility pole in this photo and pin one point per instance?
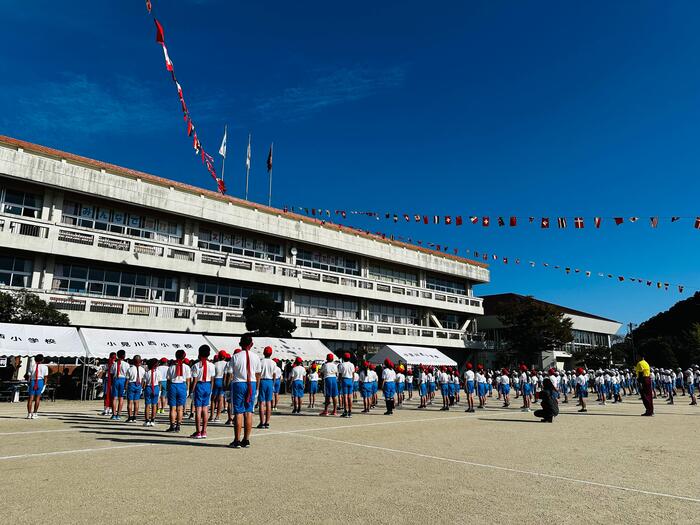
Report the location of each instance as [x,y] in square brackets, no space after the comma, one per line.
[631,326]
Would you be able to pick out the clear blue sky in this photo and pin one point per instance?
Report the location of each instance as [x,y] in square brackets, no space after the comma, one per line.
[484,108]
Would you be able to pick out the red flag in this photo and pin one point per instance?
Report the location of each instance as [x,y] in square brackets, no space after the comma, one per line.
[513,221]
[425,219]
[578,222]
[269,160]
[597,221]
[654,221]
[619,220]
[485,221]
[458,220]
[544,223]
[160,35]
[697,223]
[190,127]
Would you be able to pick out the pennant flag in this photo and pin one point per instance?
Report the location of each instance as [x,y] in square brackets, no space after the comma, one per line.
[545,222]
[160,35]
[531,219]
[578,223]
[597,221]
[485,221]
[190,127]
[648,283]
[675,219]
[654,221]
[697,223]
[448,219]
[513,221]
[517,261]
[561,222]
[620,278]
[532,263]
[618,220]
[247,156]
[406,217]
[474,219]
[567,270]
[588,274]
[416,218]
[501,222]
[425,219]
[396,218]
[458,220]
[222,149]
[505,260]
[269,160]
[168,63]
[634,219]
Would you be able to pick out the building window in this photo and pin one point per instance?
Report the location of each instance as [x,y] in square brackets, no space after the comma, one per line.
[330,263]
[116,221]
[20,203]
[229,294]
[445,285]
[15,271]
[449,321]
[387,313]
[114,283]
[240,244]
[317,306]
[390,275]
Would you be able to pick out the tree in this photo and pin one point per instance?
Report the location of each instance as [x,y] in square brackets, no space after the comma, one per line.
[532,327]
[24,307]
[262,317]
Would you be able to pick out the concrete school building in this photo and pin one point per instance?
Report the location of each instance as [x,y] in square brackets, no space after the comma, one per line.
[117,248]
[588,330]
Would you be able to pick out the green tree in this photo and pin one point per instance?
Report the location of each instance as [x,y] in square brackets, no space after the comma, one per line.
[24,307]
[263,319]
[531,328]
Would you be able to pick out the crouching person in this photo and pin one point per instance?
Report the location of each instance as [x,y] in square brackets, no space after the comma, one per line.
[549,403]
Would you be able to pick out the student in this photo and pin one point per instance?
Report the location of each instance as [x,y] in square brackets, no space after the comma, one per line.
[389,386]
[409,382]
[469,379]
[505,387]
[267,386]
[431,385]
[151,393]
[179,377]
[313,379]
[276,385]
[329,371]
[443,379]
[190,395]
[526,387]
[481,385]
[400,385]
[355,383]
[346,371]
[582,388]
[549,404]
[244,370]
[203,374]
[36,377]
[298,381]
[455,387]
[163,371]
[423,387]
[690,385]
[134,389]
[107,384]
[366,387]
[375,384]
[217,392]
[119,371]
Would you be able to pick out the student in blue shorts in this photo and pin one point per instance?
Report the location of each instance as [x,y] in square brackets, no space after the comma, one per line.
[120,368]
[267,387]
[179,377]
[151,392]
[217,391]
[36,377]
[298,381]
[313,379]
[469,381]
[329,371]
[203,373]
[134,389]
[389,386]
[244,369]
[163,371]
[276,385]
[346,373]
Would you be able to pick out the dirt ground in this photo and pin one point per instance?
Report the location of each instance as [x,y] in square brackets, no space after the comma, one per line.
[502,465]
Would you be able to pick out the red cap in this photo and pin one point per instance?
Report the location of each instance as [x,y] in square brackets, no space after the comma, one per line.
[388,363]
[523,368]
[479,367]
[504,371]
[330,357]
[268,351]
[551,371]
[469,366]
[163,359]
[442,368]
[372,367]
[186,360]
[579,370]
[346,355]
[236,351]
[365,364]
[298,361]
[276,360]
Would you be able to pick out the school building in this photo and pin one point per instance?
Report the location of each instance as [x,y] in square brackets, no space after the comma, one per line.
[117,248]
[588,330]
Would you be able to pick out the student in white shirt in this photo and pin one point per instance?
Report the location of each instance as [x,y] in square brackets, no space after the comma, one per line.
[203,374]
[481,385]
[443,380]
[36,377]
[179,377]
[469,387]
[151,392]
[106,374]
[217,392]
[267,387]
[582,388]
[400,385]
[163,371]
[423,387]
[298,382]
[119,370]
[366,387]
[244,369]
[313,379]
[346,372]
[276,385]
[409,382]
[389,386]
[134,388]
[329,371]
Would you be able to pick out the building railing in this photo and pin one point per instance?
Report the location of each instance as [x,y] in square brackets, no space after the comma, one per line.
[86,237]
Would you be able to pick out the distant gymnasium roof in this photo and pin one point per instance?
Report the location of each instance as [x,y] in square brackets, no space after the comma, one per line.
[160,181]
[494,303]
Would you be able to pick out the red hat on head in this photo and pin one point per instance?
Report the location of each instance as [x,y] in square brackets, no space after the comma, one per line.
[579,370]
[268,351]
[346,355]
[442,368]
[357,368]
[372,367]
[163,359]
[222,354]
[523,368]
[186,360]
[551,371]
[276,360]
[469,366]
[237,350]
[365,363]
[298,361]
[388,363]
[479,367]
[504,371]
[330,357]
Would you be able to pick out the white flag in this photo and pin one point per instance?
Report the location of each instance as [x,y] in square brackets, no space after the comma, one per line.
[222,149]
[247,157]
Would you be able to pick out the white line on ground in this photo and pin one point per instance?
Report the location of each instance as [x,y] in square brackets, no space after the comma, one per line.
[505,469]
[39,432]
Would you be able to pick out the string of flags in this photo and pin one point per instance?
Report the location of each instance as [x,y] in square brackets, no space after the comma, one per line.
[491,257]
[207,159]
[511,221]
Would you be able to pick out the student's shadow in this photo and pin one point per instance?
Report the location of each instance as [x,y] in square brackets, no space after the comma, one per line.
[501,420]
[184,441]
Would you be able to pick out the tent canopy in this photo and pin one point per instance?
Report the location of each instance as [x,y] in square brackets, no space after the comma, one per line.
[101,342]
[307,349]
[412,355]
[30,340]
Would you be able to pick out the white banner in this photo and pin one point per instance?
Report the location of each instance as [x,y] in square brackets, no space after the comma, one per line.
[102,342]
[307,349]
[30,340]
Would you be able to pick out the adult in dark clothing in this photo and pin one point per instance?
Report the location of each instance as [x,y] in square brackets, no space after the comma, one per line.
[549,403]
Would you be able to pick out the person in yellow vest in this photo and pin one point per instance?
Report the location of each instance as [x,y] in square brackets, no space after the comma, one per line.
[643,372]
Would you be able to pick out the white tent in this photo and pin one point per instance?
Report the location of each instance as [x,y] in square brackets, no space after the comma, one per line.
[30,340]
[412,355]
[307,349]
[100,342]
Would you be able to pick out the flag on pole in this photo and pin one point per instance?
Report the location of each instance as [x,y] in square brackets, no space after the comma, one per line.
[247,155]
[269,160]
[222,149]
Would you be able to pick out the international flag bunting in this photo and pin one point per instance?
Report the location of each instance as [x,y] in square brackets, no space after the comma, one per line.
[485,221]
[513,221]
[425,219]
[697,223]
[448,219]
[406,217]
[545,222]
[474,219]
[160,34]
[675,219]
[634,219]
[458,220]
[501,222]
[597,221]
[436,219]
[618,220]
[561,222]
[269,160]
[578,223]
[148,5]
[416,218]
[654,221]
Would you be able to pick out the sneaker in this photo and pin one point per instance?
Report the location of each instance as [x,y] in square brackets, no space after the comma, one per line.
[267,425]
[171,428]
[245,443]
[203,435]
[324,413]
[583,410]
[235,444]
[146,423]
[228,422]
[191,416]
[129,420]
[349,414]
[261,425]
[177,428]
[196,435]
[344,414]
[215,420]
[29,416]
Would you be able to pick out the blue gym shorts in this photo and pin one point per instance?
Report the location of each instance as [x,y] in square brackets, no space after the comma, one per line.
[177,394]
[506,389]
[297,388]
[238,397]
[218,389]
[35,387]
[389,390]
[266,390]
[202,394]
[118,387]
[330,387]
[313,387]
[346,388]
[151,395]
[133,391]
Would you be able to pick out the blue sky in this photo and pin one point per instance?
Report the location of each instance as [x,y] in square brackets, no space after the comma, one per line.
[463,108]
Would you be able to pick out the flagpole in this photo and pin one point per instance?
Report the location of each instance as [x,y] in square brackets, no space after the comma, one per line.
[223,162]
[269,193]
[247,167]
